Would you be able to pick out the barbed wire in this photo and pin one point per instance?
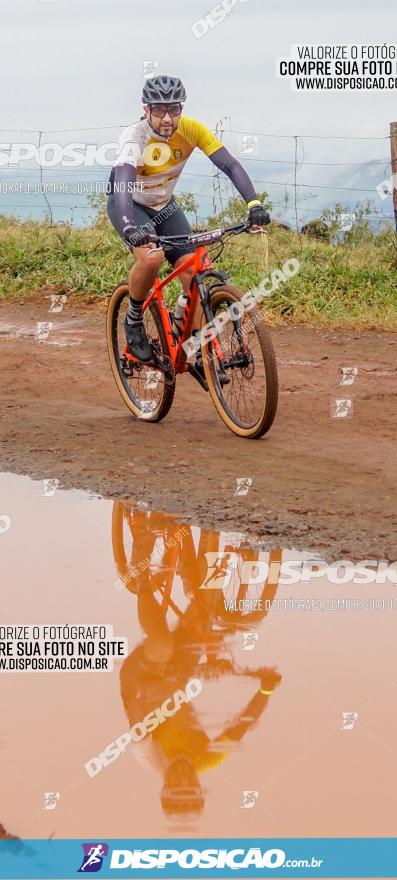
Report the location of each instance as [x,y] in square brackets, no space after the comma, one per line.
[295,163]
[323,164]
[344,137]
[85,170]
[232,130]
[265,182]
[376,214]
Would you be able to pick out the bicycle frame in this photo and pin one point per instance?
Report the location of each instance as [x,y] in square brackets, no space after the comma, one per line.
[200,263]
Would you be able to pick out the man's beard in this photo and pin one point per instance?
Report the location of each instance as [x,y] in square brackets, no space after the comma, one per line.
[157,130]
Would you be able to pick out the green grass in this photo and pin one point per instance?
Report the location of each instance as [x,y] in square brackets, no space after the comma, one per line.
[339,286]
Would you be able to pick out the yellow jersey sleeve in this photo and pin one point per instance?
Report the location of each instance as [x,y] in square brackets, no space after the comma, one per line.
[198,135]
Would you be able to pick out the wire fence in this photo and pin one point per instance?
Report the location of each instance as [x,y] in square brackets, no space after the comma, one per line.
[296,190]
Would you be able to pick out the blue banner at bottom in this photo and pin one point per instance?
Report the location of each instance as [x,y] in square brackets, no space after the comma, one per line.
[205,857]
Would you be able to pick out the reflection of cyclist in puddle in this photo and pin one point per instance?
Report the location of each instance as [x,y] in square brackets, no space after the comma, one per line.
[198,646]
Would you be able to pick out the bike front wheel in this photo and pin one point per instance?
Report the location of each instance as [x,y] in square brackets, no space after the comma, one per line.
[240,365]
[148,392]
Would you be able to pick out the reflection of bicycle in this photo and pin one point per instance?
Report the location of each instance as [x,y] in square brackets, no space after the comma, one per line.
[148,555]
[236,361]
[134,534]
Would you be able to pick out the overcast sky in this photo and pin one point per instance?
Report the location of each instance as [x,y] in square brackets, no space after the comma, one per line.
[71,64]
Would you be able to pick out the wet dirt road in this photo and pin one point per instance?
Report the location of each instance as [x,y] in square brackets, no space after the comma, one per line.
[317,481]
[292,733]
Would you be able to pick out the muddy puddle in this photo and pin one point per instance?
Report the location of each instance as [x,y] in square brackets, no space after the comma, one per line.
[235,705]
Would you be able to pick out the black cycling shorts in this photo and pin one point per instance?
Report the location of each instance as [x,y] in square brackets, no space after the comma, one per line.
[169,220]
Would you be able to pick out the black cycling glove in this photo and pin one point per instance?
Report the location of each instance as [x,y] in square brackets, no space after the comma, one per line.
[136,236]
[258,216]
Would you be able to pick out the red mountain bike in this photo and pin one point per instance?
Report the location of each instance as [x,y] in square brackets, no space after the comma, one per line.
[234,358]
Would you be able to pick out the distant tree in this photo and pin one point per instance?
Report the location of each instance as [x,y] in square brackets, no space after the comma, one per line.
[316,229]
[188,204]
[350,225]
[280,225]
[97,202]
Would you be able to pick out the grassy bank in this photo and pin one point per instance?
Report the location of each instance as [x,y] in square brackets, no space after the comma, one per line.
[339,285]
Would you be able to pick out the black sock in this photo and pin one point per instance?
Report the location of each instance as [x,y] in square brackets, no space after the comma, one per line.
[134,315]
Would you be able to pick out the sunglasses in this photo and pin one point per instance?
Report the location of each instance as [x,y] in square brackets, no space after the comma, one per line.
[161,109]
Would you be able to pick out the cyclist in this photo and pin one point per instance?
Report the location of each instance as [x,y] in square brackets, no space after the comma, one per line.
[151,156]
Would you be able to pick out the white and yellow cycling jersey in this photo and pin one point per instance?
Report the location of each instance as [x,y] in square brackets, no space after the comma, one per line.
[160,161]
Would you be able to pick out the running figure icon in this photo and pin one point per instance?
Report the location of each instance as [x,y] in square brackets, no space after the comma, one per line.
[220,570]
[94,855]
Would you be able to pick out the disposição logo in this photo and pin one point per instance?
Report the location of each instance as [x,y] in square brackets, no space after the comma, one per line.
[94,854]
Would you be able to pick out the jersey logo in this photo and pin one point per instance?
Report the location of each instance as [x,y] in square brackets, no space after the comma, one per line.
[177,154]
[156,154]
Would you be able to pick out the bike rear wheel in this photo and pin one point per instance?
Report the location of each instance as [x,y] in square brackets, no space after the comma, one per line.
[243,384]
[146,390]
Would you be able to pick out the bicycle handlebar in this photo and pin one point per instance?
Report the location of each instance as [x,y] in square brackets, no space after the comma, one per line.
[199,238]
